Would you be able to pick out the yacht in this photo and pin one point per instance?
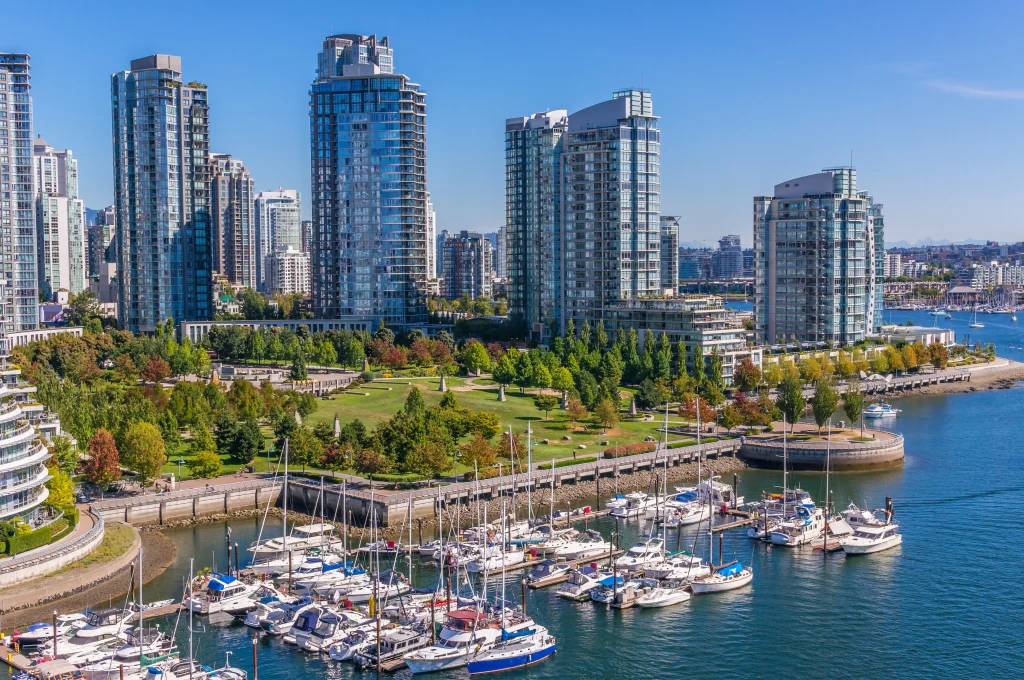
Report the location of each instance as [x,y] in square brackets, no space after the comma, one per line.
[586,546]
[636,505]
[309,567]
[553,539]
[152,644]
[880,410]
[305,622]
[662,596]
[272,609]
[467,632]
[806,527]
[548,572]
[229,595]
[494,557]
[383,547]
[516,650]
[386,588]
[280,621]
[332,627]
[104,623]
[872,538]
[393,645]
[642,554]
[580,582]
[301,539]
[39,633]
[333,580]
[607,592]
[355,642]
[681,566]
[428,549]
[723,577]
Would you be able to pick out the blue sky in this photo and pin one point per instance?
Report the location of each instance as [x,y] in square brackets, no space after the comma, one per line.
[928,96]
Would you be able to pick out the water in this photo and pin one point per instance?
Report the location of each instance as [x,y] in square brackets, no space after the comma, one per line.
[946,603]
[999,329]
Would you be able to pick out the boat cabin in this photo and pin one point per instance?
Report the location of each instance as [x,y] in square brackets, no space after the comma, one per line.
[224,588]
[105,617]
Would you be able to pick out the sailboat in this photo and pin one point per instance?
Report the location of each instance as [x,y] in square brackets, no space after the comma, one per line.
[723,576]
[974,320]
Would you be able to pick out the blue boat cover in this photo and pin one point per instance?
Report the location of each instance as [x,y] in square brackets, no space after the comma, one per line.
[607,580]
[221,582]
[733,568]
[512,635]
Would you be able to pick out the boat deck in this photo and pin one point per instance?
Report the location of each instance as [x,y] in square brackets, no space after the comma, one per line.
[527,563]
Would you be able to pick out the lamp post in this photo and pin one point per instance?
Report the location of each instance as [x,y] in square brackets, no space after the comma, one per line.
[181,461]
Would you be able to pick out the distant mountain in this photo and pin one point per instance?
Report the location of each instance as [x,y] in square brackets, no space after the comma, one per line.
[935,242]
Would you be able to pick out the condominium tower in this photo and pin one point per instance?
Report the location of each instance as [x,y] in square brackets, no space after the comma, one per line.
[368,152]
[431,240]
[234,220]
[818,258]
[669,255]
[278,224]
[162,194]
[468,266]
[19,296]
[60,216]
[728,260]
[287,271]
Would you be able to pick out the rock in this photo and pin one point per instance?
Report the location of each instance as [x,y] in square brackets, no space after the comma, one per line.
[566,437]
[581,446]
[545,441]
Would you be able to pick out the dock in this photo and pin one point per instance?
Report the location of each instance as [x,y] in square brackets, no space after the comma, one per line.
[166,610]
[14,658]
[527,563]
[745,520]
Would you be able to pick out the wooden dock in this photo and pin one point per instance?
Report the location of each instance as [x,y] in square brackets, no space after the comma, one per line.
[14,659]
[528,562]
[745,520]
[166,610]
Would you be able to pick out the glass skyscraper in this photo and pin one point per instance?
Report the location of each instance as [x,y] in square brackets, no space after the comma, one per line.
[19,296]
[368,157]
[60,216]
[816,256]
[162,192]
[233,224]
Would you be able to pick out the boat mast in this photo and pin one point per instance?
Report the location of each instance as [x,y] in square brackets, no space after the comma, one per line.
[504,520]
[410,539]
[828,451]
[142,626]
[700,454]
[552,497]
[344,523]
[284,506]
[785,473]
[529,471]
[191,656]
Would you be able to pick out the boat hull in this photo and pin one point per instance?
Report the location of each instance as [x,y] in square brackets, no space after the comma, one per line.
[859,549]
[677,598]
[704,587]
[497,665]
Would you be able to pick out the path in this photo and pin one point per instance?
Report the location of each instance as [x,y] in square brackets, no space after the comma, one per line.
[85,524]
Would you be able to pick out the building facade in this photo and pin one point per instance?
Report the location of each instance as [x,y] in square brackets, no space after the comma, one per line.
[60,215]
[728,259]
[431,240]
[278,224]
[816,257]
[162,192]
[368,157]
[468,266]
[234,220]
[893,265]
[288,272]
[99,237]
[19,295]
[501,253]
[669,255]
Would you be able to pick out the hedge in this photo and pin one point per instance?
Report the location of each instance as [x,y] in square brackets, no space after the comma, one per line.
[402,477]
[30,541]
[567,462]
[630,449]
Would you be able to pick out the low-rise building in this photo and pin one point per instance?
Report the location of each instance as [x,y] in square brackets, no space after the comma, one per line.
[288,272]
[914,334]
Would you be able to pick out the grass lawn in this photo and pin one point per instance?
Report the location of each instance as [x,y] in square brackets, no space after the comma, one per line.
[517,411]
[117,538]
[184,452]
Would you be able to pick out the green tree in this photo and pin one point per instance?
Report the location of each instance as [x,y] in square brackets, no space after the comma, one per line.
[246,442]
[698,366]
[474,357]
[545,403]
[575,412]
[791,398]
[82,307]
[62,490]
[824,401]
[478,451]
[143,451]
[715,372]
[448,400]
[561,380]
[648,396]
[730,417]
[65,456]
[414,402]
[202,440]
[810,370]
[103,465]
[939,354]
[772,374]
[853,403]
[747,376]
[298,372]
[257,346]
[541,377]
[606,413]
[505,371]
[431,457]
[204,465]
[304,448]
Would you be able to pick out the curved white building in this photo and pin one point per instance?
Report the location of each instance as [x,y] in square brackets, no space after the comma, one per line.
[23,455]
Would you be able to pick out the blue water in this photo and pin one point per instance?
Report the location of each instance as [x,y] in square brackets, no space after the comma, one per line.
[947,603]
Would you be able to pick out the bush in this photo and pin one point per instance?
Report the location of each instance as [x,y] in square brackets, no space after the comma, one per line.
[30,541]
[204,465]
[567,462]
[630,449]
[486,473]
[368,376]
[398,477]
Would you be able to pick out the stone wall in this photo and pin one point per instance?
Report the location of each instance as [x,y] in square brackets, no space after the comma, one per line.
[811,456]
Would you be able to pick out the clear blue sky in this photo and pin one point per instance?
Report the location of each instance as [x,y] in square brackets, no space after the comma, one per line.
[928,96]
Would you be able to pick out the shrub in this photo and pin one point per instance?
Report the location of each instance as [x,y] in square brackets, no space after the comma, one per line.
[567,462]
[204,465]
[486,473]
[398,477]
[630,449]
[368,376]
[30,541]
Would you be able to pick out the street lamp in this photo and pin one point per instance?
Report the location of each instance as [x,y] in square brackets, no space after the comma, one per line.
[181,462]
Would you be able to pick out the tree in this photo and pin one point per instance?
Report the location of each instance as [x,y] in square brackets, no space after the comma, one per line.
[326,354]
[304,448]
[486,424]
[414,402]
[505,371]
[772,374]
[202,440]
[845,366]
[606,413]
[541,377]
[156,370]
[880,364]
[791,398]
[125,369]
[65,457]
[246,442]
[561,380]
[82,307]
[698,366]
[824,401]
[715,372]
[324,432]
[746,377]
[298,372]
[648,396]
[575,412]
[853,404]
[730,417]
[371,460]
[810,369]
[474,357]
[478,451]
[545,403]
[62,490]
[448,400]
[432,456]
[143,451]
[204,465]
[102,466]
[939,354]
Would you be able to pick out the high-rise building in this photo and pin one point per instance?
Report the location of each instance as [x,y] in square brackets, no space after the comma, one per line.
[893,264]
[533,217]
[234,220]
[307,235]
[60,234]
[19,295]
[439,240]
[501,253]
[162,192]
[288,272]
[278,223]
[819,256]
[670,254]
[728,261]
[367,128]
[102,255]
[468,266]
[431,240]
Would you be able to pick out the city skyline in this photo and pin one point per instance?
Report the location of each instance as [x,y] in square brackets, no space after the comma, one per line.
[709,94]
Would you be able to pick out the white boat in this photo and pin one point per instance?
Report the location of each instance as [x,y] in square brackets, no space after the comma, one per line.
[681,567]
[393,645]
[806,527]
[662,597]
[553,539]
[271,610]
[384,591]
[428,549]
[305,623]
[724,577]
[872,538]
[153,644]
[640,555]
[548,572]
[301,539]
[580,582]
[39,633]
[494,557]
[590,544]
[466,632]
[332,627]
[229,595]
[636,505]
[355,642]
[974,320]
[516,650]
[281,620]
[384,547]
[880,410]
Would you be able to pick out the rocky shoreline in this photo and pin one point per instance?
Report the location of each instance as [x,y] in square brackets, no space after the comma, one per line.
[999,377]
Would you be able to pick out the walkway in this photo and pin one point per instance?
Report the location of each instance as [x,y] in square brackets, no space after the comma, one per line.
[85,524]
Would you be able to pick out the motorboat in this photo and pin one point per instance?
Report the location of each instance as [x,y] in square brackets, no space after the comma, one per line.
[715,493]
[856,517]
[494,557]
[104,623]
[642,554]
[552,539]
[636,505]
[681,513]
[467,631]
[275,610]
[151,644]
[681,566]
[872,538]
[280,620]
[332,627]
[607,591]
[662,596]
[383,547]
[580,582]
[806,527]
[586,546]
[938,311]
[880,410]
[310,566]
[516,650]
[305,622]
[548,572]
[390,585]
[230,595]
[352,644]
[723,577]
[393,645]
[39,633]
[627,596]
[457,554]
[337,580]
[301,539]
[428,549]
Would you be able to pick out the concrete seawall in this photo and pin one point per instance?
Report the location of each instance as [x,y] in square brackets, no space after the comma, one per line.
[158,509]
[811,455]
